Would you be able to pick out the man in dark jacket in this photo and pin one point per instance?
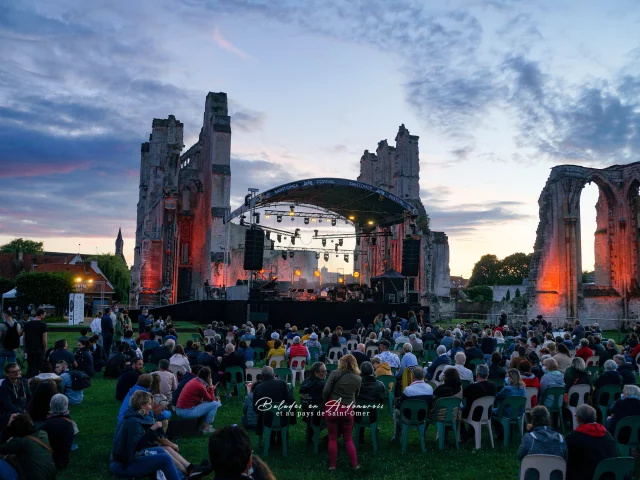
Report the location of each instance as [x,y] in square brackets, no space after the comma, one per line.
[311,397]
[481,388]
[541,439]
[106,324]
[588,445]
[207,359]
[116,362]
[272,392]
[578,332]
[610,375]
[359,354]
[14,393]
[610,351]
[625,370]
[372,390]
[441,359]
[142,320]
[128,378]
[163,352]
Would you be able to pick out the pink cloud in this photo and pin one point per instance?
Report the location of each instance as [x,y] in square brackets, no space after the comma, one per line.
[39,169]
[228,46]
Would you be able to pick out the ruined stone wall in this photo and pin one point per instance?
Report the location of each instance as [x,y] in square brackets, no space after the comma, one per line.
[407,165]
[440,274]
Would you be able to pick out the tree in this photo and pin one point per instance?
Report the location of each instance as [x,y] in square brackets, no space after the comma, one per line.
[22,245]
[485,271]
[117,273]
[480,293]
[508,295]
[44,288]
[517,293]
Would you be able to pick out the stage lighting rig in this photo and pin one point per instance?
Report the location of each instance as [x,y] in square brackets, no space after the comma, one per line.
[291,253]
[336,247]
[279,238]
[340,241]
[306,220]
[333,222]
[346,258]
[284,254]
[324,242]
[317,255]
[292,211]
[326,257]
[279,218]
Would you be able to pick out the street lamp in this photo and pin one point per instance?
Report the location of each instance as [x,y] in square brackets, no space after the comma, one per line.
[102,284]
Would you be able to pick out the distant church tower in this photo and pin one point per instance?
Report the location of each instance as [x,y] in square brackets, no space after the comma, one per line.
[120,246]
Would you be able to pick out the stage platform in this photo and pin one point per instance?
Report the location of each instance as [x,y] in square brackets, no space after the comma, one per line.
[278,313]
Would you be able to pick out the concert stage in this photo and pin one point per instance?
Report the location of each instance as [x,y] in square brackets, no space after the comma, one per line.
[278,313]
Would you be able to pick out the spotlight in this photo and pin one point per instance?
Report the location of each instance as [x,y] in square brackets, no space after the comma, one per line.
[333,222]
[324,242]
[297,234]
[297,272]
[370,222]
[352,217]
[317,255]
[313,219]
[346,258]
[326,257]
[257,217]
[290,253]
[319,220]
[316,273]
[279,238]
[340,280]
[291,211]
[279,218]
[267,216]
[336,247]
[306,220]
[356,274]
[315,233]
[340,242]
[268,235]
[284,254]
[293,240]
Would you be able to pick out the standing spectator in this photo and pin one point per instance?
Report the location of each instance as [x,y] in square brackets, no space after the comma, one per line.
[108,330]
[10,332]
[198,399]
[142,320]
[341,390]
[96,329]
[35,342]
[588,445]
[540,438]
[60,430]
[578,331]
[118,329]
[168,381]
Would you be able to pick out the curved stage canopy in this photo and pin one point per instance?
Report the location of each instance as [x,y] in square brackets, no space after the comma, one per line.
[361,204]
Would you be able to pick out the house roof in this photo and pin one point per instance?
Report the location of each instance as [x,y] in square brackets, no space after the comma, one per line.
[459,282]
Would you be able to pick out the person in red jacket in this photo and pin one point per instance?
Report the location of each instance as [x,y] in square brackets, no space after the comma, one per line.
[198,399]
[529,379]
[297,350]
[584,352]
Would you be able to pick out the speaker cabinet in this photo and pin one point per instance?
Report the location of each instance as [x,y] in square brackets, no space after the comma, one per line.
[253,249]
[410,257]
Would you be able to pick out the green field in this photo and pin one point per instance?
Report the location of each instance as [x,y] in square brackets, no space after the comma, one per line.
[96,418]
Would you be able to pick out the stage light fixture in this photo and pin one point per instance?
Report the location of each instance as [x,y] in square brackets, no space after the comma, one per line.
[261,270]
[317,255]
[340,241]
[257,217]
[306,220]
[291,211]
[279,218]
[346,258]
[319,220]
[333,222]
[370,222]
[315,233]
[313,219]
[326,257]
[324,242]
[279,238]
[267,216]
[352,217]
[284,254]
[268,235]
[356,274]
[291,253]
[316,273]
[293,240]
[297,272]
[336,247]
[340,280]
[297,234]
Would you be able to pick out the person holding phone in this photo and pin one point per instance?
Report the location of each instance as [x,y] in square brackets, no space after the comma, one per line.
[198,399]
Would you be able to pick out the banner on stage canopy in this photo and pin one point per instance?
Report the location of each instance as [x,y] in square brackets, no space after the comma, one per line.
[76,308]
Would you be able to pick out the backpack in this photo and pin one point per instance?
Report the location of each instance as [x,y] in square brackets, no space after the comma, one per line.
[11,339]
[79,380]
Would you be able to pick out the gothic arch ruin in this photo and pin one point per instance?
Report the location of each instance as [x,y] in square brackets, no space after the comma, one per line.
[555,278]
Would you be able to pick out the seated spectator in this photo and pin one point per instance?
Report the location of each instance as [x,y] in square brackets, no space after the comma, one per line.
[628,405]
[97,354]
[359,354]
[192,351]
[198,399]
[311,396]
[192,373]
[128,378]
[450,388]
[513,388]
[168,381]
[38,406]
[171,335]
[75,396]
[386,355]
[296,349]
[563,358]
[230,454]
[371,389]
[515,360]
[33,454]
[584,352]
[60,352]
[276,391]
[163,352]
[610,376]
[246,352]
[416,343]
[180,358]
[14,393]
[84,359]
[409,361]
[208,359]
[144,384]
[552,378]
[625,370]
[496,372]
[465,373]
[381,368]
[481,388]
[441,359]
[455,348]
[472,352]
[151,343]
[610,351]
[60,430]
[540,439]
[372,341]
[277,350]
[128,339]
[116,362]
[404,338]
[232,358]
[259,341]
[83,334]
[131,455]
[576,374]
[568,343]
[588,445]
[209,331]
[529,379]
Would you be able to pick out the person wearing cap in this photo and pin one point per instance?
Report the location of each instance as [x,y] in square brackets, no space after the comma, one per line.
[293,333]
[387,356]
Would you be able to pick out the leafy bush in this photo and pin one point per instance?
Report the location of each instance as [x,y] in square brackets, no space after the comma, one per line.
[480,293]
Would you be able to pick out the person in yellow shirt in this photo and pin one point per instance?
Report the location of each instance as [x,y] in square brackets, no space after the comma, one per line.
[307,335]
[277,350]
[274,336]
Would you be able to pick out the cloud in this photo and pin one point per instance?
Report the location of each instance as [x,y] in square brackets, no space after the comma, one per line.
[247,120]
[228,46]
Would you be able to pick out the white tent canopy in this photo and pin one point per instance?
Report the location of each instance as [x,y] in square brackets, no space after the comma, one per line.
[10,294]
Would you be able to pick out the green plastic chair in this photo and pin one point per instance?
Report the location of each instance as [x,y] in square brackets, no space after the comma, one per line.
[277,424]
[449,405]
[234,378]
[465,383]
[605,396]
[317,429]
[283,374]
[558,398]
[430,350]
[594,371]
[394,370]
[619,467]
[196,337]
[150,367]
[258,356]
[314,353]
[517,405]
[500,348]
[417,418]
[363,420]
[473,364]
[632,425]
[387,380]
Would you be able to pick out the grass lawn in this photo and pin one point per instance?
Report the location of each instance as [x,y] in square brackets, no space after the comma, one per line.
[96,418]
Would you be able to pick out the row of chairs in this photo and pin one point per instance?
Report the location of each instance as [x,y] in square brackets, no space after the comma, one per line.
[546,465]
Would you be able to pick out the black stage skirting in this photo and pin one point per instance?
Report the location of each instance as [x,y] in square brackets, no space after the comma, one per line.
[301,314]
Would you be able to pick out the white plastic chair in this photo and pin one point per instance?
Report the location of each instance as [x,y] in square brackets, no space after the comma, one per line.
[593,361]
[251,375]
[297,367]
[583,392]
[334,354]
[486,403]
[278,360]
[372,351]
[352,345]
[177,368]
[545,466]
[436,374]
[531,392]
[209,339]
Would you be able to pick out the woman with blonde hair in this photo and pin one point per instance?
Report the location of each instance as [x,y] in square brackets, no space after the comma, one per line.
[514,388]
[377,323]
[498,336]
[340,391]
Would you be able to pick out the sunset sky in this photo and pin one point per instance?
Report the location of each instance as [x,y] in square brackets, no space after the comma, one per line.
[499,92]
